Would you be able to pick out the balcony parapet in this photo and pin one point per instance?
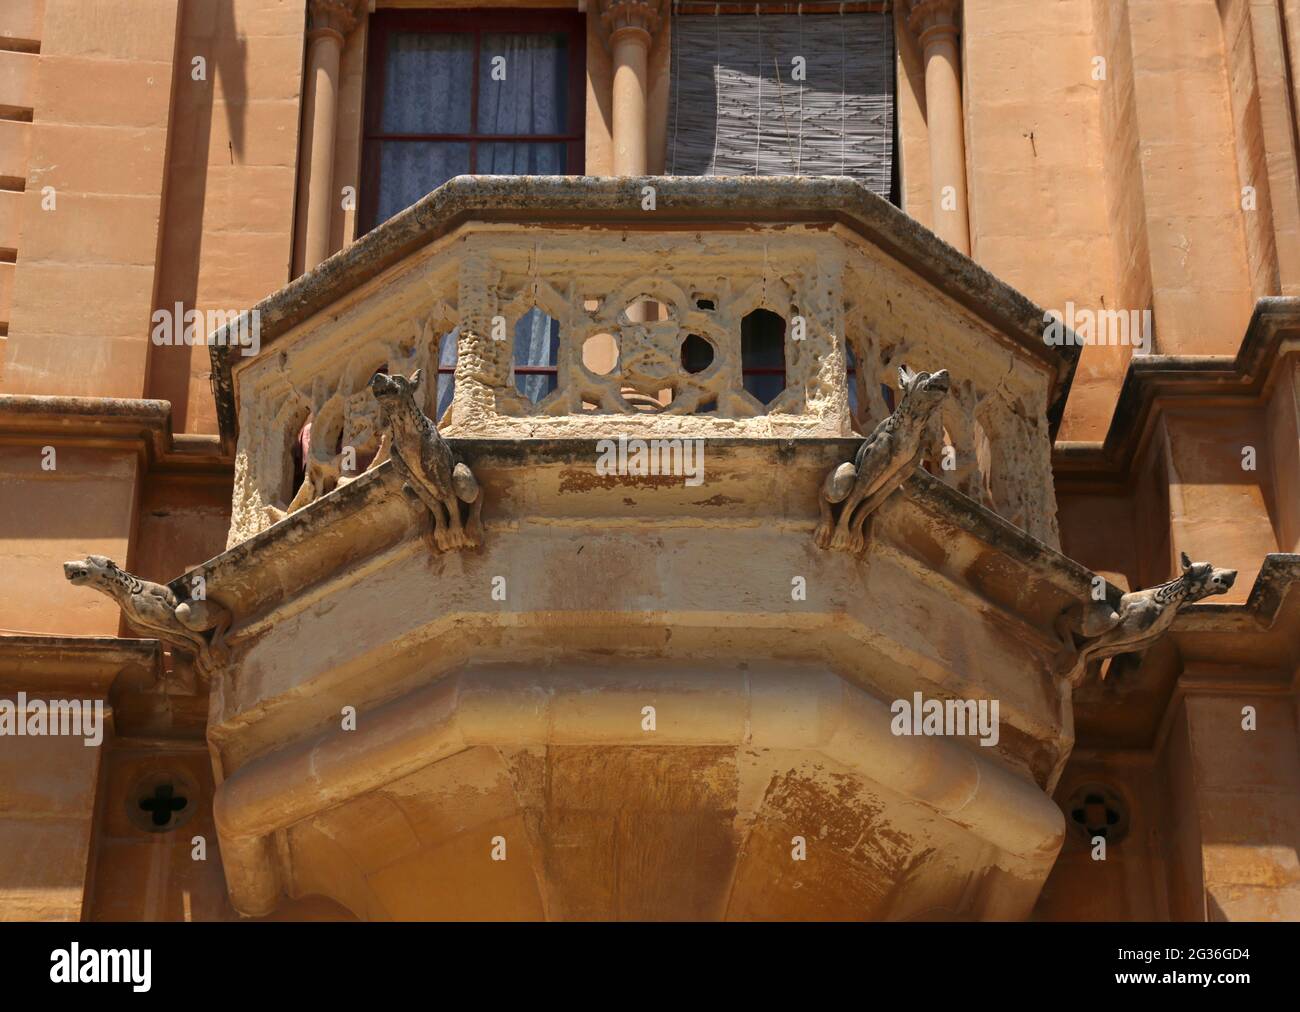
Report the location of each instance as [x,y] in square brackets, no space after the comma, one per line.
[639,267]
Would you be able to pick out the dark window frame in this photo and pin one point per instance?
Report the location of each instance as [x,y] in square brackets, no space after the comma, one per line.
[473,22]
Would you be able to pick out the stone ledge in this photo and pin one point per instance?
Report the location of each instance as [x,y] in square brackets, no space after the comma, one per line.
[35,662]
[122,421]
[1274,328]
[804,462]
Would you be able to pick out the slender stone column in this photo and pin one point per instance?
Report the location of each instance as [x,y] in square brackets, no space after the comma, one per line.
[631,25]
[936,24]
[328,24]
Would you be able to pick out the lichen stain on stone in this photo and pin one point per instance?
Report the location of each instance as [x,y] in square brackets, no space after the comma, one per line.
[837,813]
[922,540]
[717,500]
[572,480]
[631,832]
[993,574]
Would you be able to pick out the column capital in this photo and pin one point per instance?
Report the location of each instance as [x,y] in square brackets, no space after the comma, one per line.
[630,17]
[334,18]
[933,18]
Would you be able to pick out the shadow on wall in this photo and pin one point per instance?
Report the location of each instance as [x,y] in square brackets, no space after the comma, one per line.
[208,29]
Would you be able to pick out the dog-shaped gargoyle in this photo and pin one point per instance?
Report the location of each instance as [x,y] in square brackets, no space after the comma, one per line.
[1142,617]
[882,463]
[195,626]
[430,473]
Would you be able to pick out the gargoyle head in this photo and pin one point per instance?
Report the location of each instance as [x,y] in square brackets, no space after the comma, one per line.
[1203,580]
[922,391]
[394,393]
[95,571]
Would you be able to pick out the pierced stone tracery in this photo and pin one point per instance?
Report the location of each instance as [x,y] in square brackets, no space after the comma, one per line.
[649,343]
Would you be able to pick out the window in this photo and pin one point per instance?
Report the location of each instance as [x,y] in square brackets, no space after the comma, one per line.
[762,354]
[454,92]
[537,349]
[783,94]
[536,352]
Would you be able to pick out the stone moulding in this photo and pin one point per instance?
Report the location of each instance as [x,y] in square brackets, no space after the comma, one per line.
[95,665]
[844,725]
[351,512]
[145,425]
[1155,380]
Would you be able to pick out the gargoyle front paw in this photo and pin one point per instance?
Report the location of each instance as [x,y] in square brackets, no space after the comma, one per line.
[842,540]
[473,535]
[822,535]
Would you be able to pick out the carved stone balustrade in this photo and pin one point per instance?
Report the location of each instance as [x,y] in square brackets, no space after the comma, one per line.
[650,306]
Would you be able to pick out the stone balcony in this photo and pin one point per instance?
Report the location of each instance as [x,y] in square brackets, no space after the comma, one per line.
[858,287]
[520,715]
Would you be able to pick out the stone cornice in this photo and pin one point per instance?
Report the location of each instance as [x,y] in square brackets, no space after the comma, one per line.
[145,702]
[49,664]
[117,422]
[334,18]
[1151,380]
